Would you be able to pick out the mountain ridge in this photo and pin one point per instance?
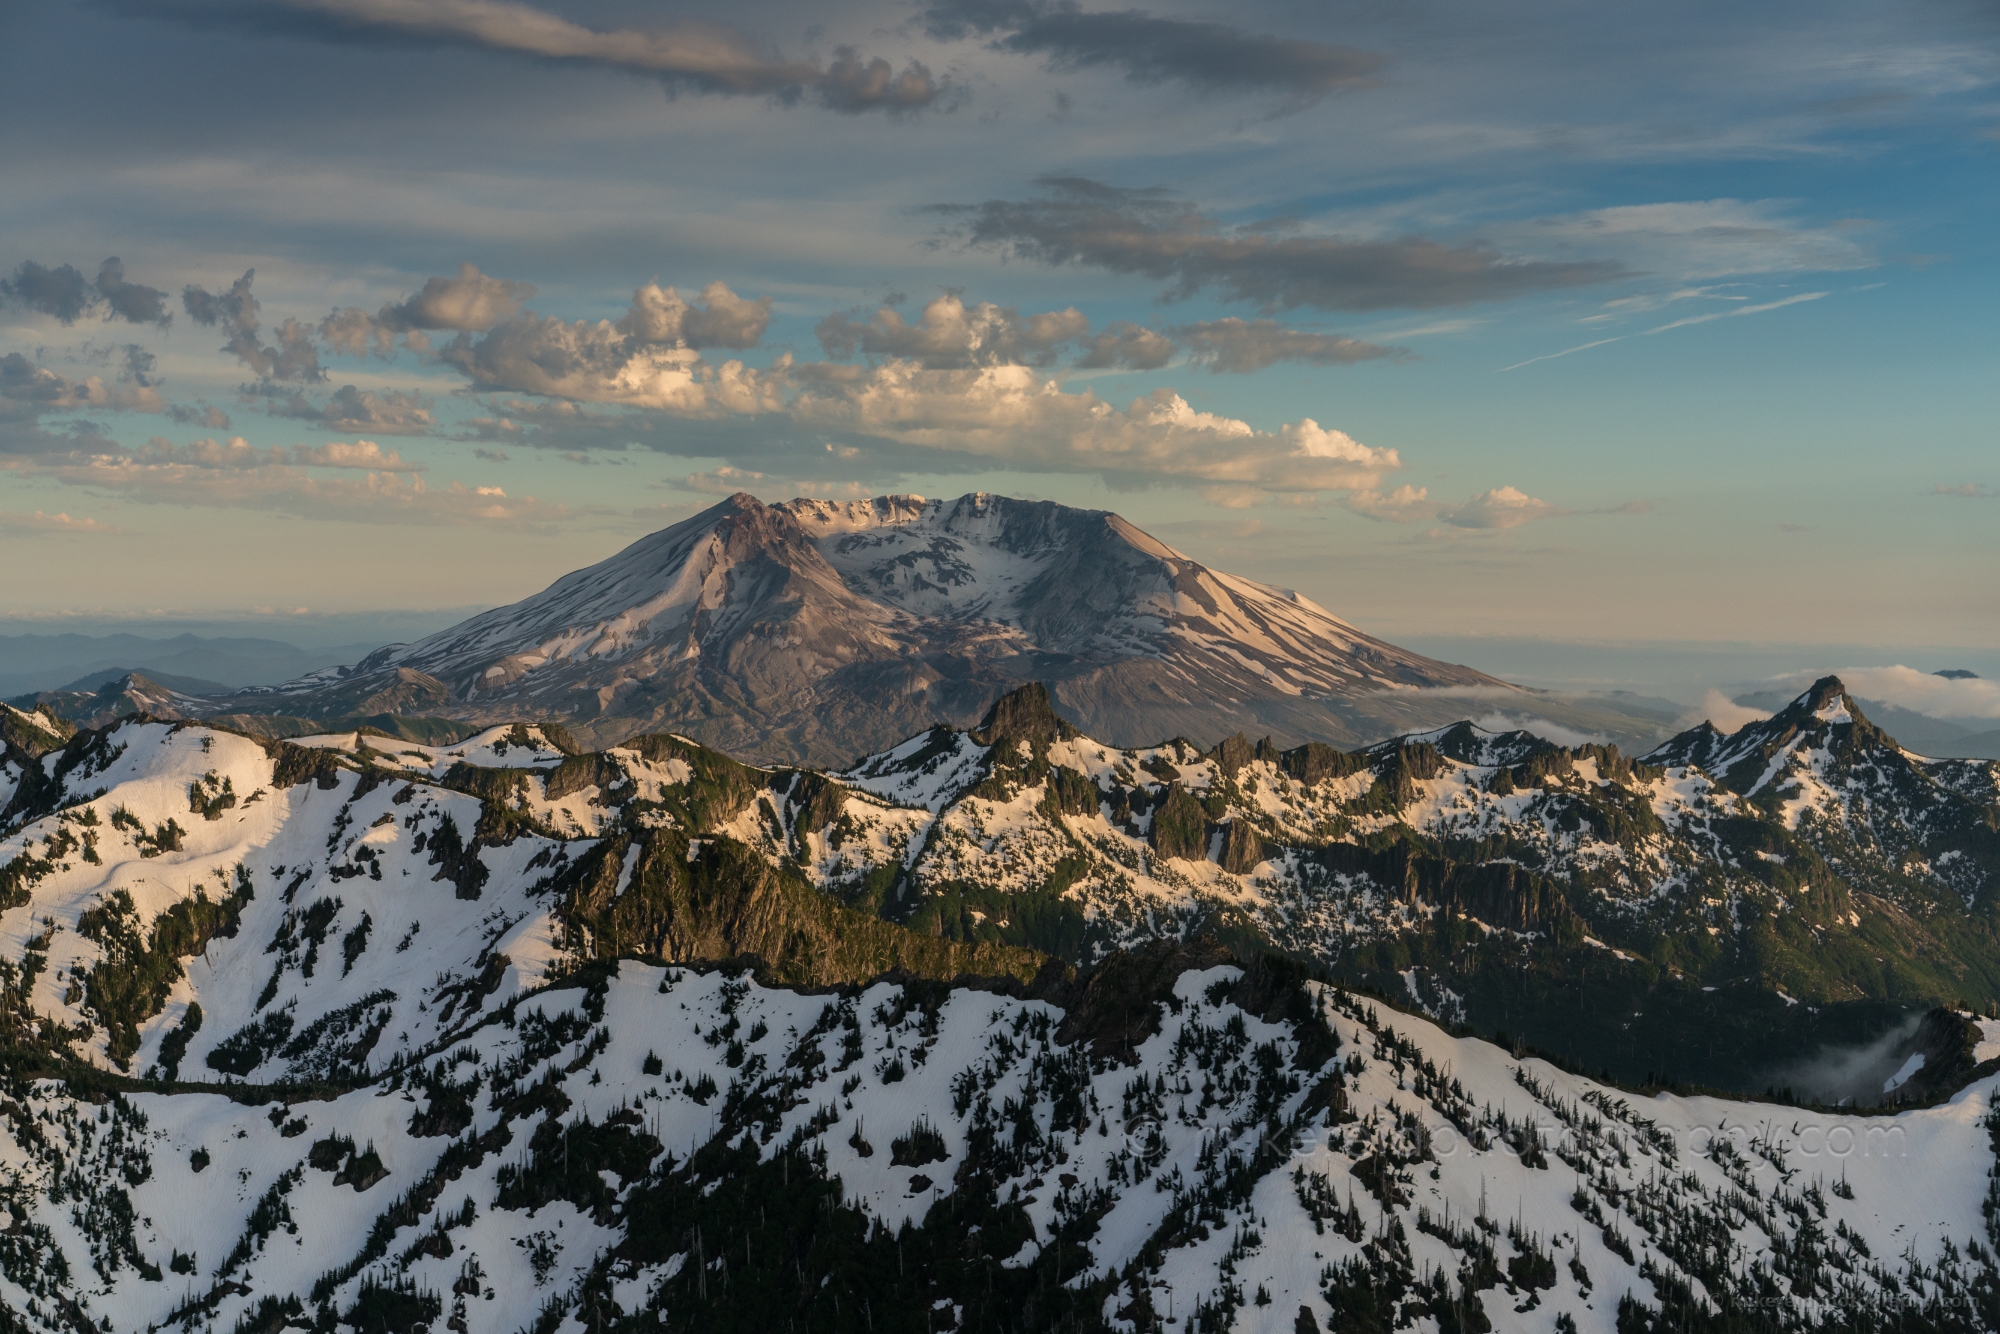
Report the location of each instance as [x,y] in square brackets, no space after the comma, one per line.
[1001,1025]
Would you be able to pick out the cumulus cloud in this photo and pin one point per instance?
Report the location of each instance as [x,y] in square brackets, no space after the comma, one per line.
[469,303]
[60,522]
[28,391]
[1155,234]
[1231,344]
[1502,507]
[1209,57]
[1004,412]
[690,56]
[205,415]
[384,412]
[1405,504]
[1127,345]
[950,335]
[67,295]
[1010,415]
[293,356]
[720,319]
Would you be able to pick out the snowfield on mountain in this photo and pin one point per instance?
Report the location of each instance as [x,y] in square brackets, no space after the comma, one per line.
[999,1028]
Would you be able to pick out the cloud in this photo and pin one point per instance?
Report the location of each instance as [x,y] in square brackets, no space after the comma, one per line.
[200,414]
[1711,316]
[1128,345]
[469,303]
[661,315]
[1152,233]
[387,412]
[235,310]
[1698,239]
[949,335]
[1231,344]
[238,453]
[368,484]
[1735,311]
[1209,57]
[1502,507]
[1725,713]
[953,382]
[1405,504]
[132,302]
[39,522]
[294,356]
[1009,415]
[1563,736]
[1965,491]
[690,56]
[1971,698]
[64,293]
[28,391]
[853,85]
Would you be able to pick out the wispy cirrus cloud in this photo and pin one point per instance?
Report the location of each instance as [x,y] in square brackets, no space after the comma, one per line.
[1155,234]
[1206,56]
[1708,317]
[690,56]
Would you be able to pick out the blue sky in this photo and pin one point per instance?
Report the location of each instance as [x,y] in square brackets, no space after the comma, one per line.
[1571,322]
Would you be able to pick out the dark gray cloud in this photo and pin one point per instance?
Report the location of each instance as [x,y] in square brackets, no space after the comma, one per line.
[134,302]
[139,364]
[1230,344]
[200,414]
[235,310]
[1154,233]
[387,412]
[1212,57]
[853,85]
[61,291]
[1132,346]
[294,356]
[690,56]
[66,294]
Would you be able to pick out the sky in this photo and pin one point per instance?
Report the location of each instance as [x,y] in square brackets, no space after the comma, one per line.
[1564,323]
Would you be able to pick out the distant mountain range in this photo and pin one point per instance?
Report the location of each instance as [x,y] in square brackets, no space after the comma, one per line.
[812,631]
[197,664]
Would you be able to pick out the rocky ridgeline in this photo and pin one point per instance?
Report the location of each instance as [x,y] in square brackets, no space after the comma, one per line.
[995,1029]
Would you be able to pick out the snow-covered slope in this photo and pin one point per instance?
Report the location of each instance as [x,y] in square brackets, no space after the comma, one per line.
[814,630]
[661,1149]
[399,1038]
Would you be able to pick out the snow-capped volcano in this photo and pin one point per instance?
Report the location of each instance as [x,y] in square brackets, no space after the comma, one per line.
[819,630]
